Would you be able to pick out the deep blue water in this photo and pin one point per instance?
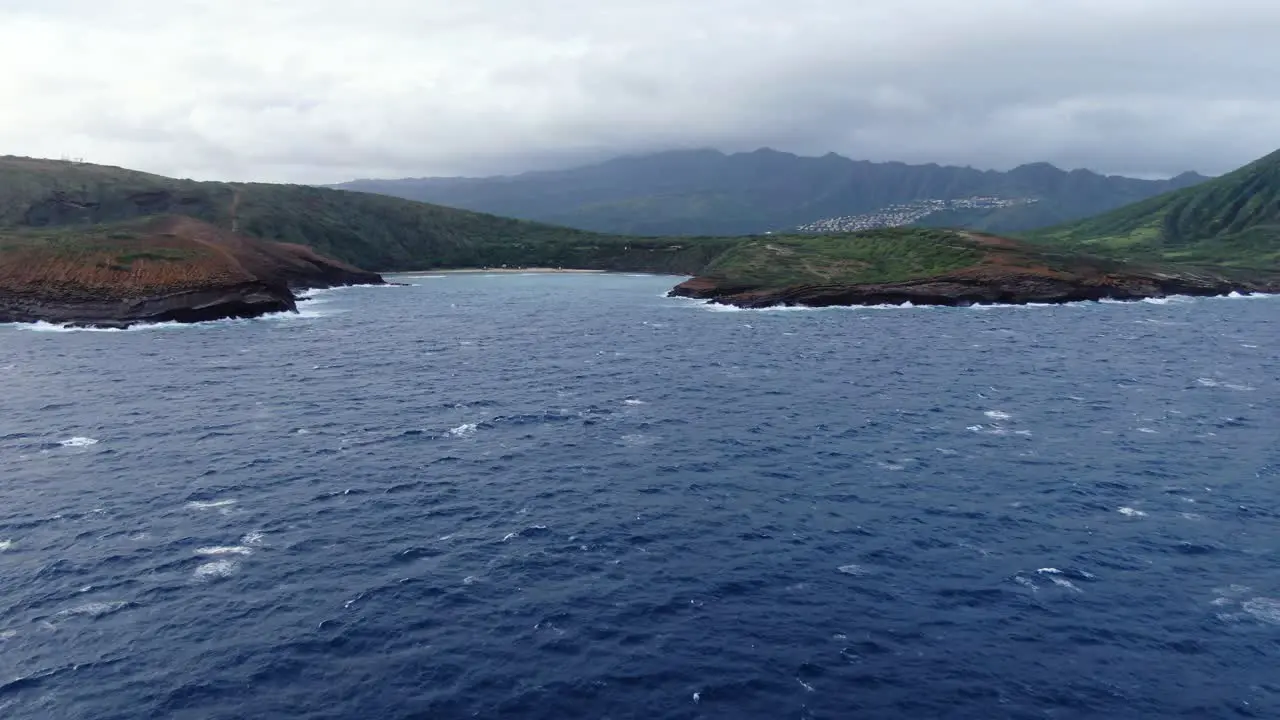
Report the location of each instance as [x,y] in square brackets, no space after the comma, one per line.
[569,497]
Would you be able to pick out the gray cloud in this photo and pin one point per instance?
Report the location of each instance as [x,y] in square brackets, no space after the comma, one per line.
[327,90]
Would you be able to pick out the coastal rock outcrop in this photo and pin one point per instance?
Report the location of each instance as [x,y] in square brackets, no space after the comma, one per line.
[963,289]
[168,269]
[998,271]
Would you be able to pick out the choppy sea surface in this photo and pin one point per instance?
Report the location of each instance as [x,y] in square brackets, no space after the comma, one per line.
[557,496]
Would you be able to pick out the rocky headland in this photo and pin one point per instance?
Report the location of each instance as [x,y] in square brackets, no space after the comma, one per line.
[951,268]
[160,269]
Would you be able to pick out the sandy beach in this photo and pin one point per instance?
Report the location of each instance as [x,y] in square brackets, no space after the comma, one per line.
[493,271]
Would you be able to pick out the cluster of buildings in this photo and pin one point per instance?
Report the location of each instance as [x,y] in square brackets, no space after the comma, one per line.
[906,214]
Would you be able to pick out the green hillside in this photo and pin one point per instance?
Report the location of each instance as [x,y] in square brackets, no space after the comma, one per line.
[370,231]
[871,256]
[1232,221]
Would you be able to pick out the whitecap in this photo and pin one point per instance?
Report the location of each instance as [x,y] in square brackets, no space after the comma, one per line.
[216,569]
[42,326]
[997,415]
[463,430]
[210,504]
[1212,383]
[78,442]
[1248,296]
[93,609]
[805,685]
[1049,571]
[1147,431]
[633,401]
[1131,512]
[1264,609]
[5,545]
[718,307]
[253,538]
[509,536]
[855,570]
[638,439]
[470,580]
[1063,582]
[997,430]
[224,550]
[8,635]
[306,311]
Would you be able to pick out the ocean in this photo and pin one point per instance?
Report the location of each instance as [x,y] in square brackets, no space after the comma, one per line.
[567,496]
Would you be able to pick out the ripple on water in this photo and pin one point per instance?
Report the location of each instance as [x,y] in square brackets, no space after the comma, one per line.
[784,520]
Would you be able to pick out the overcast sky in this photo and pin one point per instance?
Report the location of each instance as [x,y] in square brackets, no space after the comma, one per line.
[329,90]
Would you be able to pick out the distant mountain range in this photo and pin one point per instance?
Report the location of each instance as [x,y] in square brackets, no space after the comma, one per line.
[706,192]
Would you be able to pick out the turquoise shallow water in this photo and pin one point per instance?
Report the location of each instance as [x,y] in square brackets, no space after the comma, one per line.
[567,496]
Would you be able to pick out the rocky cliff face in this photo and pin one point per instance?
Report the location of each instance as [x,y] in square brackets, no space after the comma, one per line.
[964,290]
[171,269]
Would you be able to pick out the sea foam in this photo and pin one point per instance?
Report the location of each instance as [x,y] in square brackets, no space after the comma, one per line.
[216,570]
[224,550]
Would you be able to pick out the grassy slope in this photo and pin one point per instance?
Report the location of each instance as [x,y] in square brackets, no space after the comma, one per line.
[872,256]
[120,260]
[153,256]
[370,231]
[1232,222]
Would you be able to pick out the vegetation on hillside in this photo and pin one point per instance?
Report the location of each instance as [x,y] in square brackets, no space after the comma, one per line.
[370,231]
[121,260]
[157,256]
[872,256]
[1233,222]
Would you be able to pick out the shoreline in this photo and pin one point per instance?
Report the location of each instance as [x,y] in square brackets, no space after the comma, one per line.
[495,271]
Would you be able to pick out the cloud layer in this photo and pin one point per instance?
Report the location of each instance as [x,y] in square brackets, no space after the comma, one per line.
[328,90]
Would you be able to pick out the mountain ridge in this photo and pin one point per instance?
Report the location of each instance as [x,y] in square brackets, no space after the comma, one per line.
[1231,221]
[708,192]
[370,231]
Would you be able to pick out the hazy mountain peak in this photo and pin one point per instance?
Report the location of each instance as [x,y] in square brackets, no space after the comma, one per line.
[704,191]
